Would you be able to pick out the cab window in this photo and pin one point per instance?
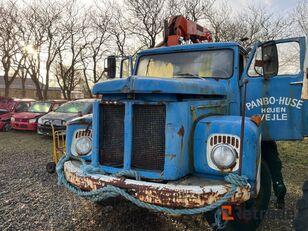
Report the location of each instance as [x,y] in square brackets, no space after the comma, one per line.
[288,60]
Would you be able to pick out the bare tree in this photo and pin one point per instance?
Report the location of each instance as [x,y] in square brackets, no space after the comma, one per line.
[74,28]
[119,30]
[66,80]
[194,10]
[262,24]
[219,19]
[55,39]
[34,29]
[42,33]
[256,22]
[23,74]
[301,16]
[10,46]
[92,56]
[145,19]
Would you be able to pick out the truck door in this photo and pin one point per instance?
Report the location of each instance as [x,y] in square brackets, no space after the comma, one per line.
[277,98]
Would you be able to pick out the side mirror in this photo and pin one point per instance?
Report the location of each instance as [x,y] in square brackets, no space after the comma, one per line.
[80,114]
[269,62]
[111,67]
[270,59]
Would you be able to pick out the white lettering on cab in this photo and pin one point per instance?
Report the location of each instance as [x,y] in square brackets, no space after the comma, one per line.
[274,108]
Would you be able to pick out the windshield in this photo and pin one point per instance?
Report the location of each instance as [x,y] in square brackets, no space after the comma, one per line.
[4,100]
[40,107]
[74,107]
[3,111]
[6,104]
[204,64]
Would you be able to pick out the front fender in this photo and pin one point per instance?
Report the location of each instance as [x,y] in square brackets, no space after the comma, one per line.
[81,125]
[227,128]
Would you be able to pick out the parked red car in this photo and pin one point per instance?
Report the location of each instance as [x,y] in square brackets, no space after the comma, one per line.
[28,120]
[9,106]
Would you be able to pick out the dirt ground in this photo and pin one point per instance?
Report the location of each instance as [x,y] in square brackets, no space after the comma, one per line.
[30,198]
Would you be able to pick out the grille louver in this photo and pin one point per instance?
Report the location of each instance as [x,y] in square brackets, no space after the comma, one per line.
[112,135]
[149,137]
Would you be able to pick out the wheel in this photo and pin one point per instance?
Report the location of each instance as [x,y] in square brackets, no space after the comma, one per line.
[7,127]
[301,219]
[51,167]
[248,215]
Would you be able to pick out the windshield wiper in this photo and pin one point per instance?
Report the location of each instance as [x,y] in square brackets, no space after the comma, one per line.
[188,75]
[185,74]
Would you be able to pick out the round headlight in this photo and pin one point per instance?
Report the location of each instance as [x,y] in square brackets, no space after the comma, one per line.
[12,119]
[32,120]
[83,145]
[223,156]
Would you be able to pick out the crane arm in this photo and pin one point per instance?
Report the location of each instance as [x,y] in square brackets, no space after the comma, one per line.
[179,28]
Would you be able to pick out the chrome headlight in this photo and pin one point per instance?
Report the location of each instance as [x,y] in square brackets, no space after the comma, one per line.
[83,145]
[223,156]
[12,119]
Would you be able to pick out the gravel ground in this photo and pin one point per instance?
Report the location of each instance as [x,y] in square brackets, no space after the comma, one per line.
[30,198]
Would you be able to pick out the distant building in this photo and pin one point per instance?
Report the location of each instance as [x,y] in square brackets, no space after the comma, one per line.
[30,89]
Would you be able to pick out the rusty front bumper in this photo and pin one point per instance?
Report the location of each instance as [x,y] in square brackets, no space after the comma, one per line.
[190,192]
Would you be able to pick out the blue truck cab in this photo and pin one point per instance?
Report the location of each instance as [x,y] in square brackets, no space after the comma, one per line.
[188,117]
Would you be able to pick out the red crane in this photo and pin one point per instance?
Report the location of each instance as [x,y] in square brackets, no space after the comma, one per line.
[180,29]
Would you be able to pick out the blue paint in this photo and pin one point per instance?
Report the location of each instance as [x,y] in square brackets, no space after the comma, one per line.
[128,133]
[70,133]
[287,123]
[217,101]
[227,125]
[148,85]
[95,134]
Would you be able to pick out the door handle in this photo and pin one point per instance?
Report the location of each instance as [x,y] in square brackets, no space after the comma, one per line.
[297,83]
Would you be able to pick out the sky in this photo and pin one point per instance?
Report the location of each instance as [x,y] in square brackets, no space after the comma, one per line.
[277,6]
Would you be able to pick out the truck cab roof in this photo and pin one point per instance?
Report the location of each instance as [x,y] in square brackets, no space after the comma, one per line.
[192,47]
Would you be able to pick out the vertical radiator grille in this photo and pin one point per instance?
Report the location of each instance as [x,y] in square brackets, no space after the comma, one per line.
[148,151]
[112,135]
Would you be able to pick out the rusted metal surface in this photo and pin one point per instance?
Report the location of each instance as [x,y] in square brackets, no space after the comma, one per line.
[181,131]
[188,193]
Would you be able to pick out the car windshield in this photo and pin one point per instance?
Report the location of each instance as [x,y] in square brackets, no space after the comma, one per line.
[3,100]
[3,111]
[40,107]
[74,107]
[200,64]
[6,104]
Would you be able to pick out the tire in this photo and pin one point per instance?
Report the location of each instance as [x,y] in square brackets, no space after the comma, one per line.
[7,127]
[51,167]
[301,219]
[256,207]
